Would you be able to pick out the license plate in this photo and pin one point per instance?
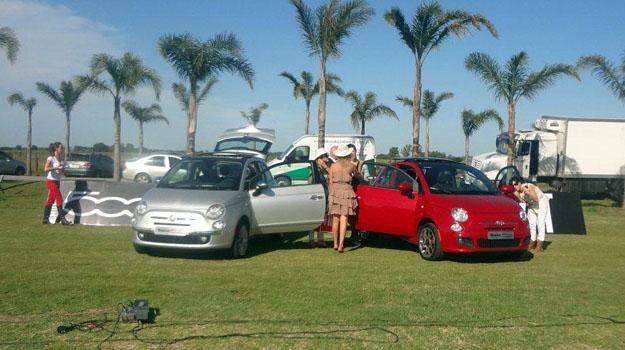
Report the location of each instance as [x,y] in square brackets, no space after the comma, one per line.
[500,235]
[169,231]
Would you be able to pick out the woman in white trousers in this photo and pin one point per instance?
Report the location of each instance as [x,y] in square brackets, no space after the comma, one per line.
[537,208]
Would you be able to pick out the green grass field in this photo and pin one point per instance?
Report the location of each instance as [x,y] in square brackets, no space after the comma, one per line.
[289,296]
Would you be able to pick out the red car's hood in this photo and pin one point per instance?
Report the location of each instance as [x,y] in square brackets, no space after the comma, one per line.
[499,204]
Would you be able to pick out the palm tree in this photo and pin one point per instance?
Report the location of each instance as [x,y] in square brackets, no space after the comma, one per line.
[515,82]
[28,105]
[9,42]
[253,117]
[125,76]
[323,32]
[143,115]
[472,121]
[366,109]
[66,98]
[611,76]
[430,105]
[430,27]
[307,90]
[196,61]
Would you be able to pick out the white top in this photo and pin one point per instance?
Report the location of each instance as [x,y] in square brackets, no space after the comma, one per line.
[528,199]
[54,175]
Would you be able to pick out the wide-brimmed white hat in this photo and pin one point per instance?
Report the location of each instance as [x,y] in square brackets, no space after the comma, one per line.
[320,152]
[343,151]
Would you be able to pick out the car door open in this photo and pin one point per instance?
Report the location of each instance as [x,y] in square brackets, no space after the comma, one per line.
[295,205]
[387,200]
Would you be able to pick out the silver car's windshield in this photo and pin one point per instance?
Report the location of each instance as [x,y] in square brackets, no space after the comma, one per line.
[206,174]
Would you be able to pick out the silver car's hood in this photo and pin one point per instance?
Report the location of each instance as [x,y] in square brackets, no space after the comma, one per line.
[184,199]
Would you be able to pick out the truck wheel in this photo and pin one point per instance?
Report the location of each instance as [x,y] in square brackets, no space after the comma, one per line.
[143,177]
[240,243]
[429,242]
[283,180]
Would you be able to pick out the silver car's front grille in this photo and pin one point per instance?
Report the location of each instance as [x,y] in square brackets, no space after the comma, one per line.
[176,219]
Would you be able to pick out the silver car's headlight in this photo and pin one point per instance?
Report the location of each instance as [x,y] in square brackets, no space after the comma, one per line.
[459,214]
[215,211]
[141,208]
[522,214]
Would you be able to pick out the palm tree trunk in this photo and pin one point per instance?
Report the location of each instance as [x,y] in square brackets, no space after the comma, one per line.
[117,125]
[29,142]
[466,149]
[191,122]
[67,127]
[307,118]
[427,137]
[362,126]
[623,193]
[321,117]
[416,110]
[511,124]
[140,138]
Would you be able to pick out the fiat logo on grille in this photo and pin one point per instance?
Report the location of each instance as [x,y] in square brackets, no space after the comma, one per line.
[498,222]
[172,218]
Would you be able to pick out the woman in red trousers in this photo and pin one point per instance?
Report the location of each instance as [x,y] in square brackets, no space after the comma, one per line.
[54,168]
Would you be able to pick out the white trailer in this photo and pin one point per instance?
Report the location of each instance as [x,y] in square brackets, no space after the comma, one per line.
[584,155]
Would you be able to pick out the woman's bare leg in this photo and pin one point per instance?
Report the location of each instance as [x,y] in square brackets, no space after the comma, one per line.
[343,230]
[335,230]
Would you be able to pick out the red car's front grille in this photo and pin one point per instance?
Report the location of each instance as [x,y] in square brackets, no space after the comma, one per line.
[501,243]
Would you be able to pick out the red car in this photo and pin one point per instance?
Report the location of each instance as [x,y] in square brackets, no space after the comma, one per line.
[441,205]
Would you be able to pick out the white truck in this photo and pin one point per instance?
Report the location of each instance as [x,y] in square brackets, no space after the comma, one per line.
[585,155]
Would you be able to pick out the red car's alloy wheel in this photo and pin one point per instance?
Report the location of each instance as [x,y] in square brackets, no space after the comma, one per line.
[429,243]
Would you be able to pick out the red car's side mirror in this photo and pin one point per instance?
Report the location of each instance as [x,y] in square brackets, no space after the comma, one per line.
[506,189]
[405,187]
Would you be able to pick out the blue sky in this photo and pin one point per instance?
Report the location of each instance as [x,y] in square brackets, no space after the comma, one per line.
[59,37]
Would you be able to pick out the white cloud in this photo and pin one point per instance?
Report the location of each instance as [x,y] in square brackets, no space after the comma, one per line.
[55,44]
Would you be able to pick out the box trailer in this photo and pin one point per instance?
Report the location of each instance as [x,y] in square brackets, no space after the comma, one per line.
[585,155]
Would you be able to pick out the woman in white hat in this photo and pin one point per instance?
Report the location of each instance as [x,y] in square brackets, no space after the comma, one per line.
[342,201]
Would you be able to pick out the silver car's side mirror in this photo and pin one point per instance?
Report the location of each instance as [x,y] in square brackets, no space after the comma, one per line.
[260,187]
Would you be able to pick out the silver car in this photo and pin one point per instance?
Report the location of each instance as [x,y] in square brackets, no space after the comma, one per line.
[148,168]
[8,165]
[217,201]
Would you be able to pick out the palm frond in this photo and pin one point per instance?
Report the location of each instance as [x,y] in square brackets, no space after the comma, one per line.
[206,90]
[16,98]
[405,101]
[308,27]
[381,109]
[396,18]
[94,84]
[488,70]
[346,17]
[605,71]
[9,41]
[181,94]
[293,81]
[544,78]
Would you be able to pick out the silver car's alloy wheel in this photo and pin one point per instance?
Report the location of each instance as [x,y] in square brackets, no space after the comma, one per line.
[429,244]
[241,242]
[143,177]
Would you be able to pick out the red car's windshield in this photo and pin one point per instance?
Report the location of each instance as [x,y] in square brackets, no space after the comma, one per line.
[455,178]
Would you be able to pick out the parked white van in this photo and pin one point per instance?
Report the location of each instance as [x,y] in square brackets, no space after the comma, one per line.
[305,148]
